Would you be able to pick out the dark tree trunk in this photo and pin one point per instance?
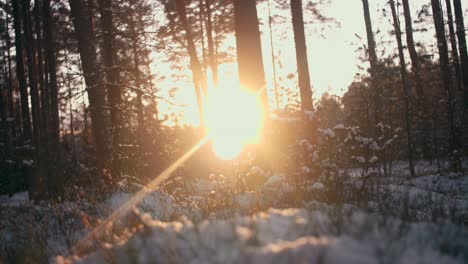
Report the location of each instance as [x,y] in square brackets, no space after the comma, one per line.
[415,62]
[112,78]
[211,52]
[446,78]
[249,49]
[84,30]
[453,43]
[462,47]
[20,75]
[32,74]
[376,91]
[200,85]
[54,125]
[422,123]
[11,111]
[404,79]
[273,60]
[40,73]
[301,55]
[10,103]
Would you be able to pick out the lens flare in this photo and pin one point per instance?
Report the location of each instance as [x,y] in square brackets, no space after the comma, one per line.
[233,119]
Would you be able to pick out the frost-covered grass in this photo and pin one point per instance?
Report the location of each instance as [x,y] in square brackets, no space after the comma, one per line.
[319,233]
[229,219]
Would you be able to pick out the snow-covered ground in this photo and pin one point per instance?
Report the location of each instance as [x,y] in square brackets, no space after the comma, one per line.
[244,230]
[316,234]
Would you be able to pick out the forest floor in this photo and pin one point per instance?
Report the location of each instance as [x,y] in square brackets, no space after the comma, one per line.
[422,220]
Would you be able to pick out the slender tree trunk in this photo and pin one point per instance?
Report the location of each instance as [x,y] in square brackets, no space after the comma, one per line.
[200,85]
[463,49]
[32,75]
[40,73]
[273,60]
[20,75]
[112,78]
[376,91]
[404,79]
[50,52]
[301,55]
[211,52]
[201,18]
[84,30]
[446,78]
[415,62]
[453,43]
[422,106]
[249,49]
[11,111]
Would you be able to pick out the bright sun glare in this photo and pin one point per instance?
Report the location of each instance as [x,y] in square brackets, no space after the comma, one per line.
[233,120]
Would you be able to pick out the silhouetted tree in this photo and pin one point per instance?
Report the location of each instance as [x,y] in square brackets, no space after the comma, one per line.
[20,75]
[249,49]
[301,55]
[112,76]
[376,91]
[446,79]
[83,21]
[404,79]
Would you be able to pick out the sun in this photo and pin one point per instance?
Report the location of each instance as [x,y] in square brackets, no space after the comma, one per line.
[233,120]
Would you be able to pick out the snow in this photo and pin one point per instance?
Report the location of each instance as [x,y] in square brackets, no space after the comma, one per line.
[373,159]
[339,127]
[274,179]
[318,186]
[327,132]
[286,236]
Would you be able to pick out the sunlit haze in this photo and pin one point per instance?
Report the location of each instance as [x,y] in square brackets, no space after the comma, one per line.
[233,119]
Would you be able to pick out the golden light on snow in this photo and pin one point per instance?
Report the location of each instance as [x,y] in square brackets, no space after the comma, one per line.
[233,120]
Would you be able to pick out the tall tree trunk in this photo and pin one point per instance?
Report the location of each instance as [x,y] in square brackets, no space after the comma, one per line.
[462,47]
[211,52]
[112,77]
[84,30]
[20,75]
[40,73]
[200,85]
[422,106]
[32,75]
[404,79]
[50,52]
[453,43]
[138,82]
[446,78]
[415,62]
[11,111]
[376,91]
[301,55]
[273,57]
[249,49]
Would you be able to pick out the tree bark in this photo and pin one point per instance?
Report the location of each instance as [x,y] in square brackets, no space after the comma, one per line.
[54,125]
[32,75]
[376,91]
[211,52]
[446,79]
[24,97]
[415,62]
[463,48]
[112,77]
[199,83]
[453,43]
[404,79]
[84,30]
[44,94]
[301,56]
[249,49]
